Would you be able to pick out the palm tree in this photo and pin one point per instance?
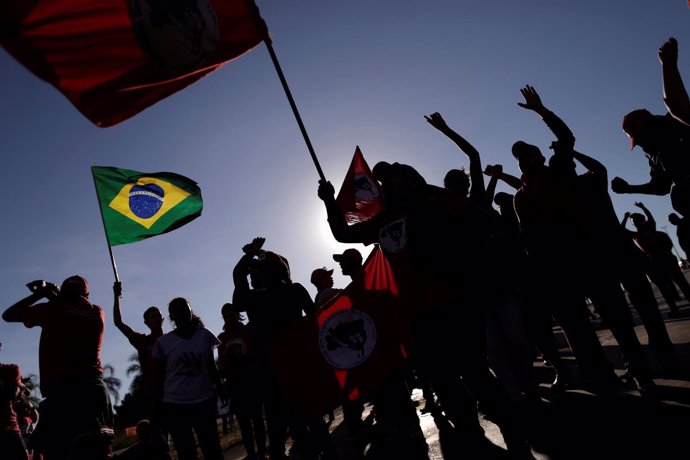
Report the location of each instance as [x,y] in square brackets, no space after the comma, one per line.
[135,368]
[111,382]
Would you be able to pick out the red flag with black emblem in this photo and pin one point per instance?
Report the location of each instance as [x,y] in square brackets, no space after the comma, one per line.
[360,195]
[348,349]
[114,58]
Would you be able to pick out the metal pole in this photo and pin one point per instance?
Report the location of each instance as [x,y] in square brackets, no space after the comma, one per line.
[286,88]
[105,229]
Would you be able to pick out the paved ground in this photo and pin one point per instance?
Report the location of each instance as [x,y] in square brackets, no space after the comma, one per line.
[575,425]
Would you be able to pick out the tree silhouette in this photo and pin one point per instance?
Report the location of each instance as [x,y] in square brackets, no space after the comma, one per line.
[112,383]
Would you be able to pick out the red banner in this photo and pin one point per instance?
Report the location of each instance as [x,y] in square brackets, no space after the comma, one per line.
[114,58]
[360,195]
[346,351]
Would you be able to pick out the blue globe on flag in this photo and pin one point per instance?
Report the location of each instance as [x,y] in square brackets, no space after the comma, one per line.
[145,200]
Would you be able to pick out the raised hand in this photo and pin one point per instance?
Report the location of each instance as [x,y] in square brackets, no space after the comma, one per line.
[619,185]
[326,191]
[493,170]
[117,289]
[437,121]
[668,52]
[639,204]
[255,246]
[532,99]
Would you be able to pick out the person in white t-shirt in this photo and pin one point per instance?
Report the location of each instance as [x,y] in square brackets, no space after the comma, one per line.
[186,382]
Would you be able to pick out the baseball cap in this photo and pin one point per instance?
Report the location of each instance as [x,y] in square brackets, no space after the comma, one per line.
[319,272]
[635,122]
[350,253]
[75,285]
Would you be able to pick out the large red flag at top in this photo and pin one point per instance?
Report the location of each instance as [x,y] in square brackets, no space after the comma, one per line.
[360,195]
[346,351]
[114,58]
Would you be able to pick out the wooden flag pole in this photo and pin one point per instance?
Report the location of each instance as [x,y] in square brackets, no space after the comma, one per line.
[286,88]
[105,229]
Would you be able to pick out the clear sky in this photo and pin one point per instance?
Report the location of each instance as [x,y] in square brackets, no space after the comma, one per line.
[363,73]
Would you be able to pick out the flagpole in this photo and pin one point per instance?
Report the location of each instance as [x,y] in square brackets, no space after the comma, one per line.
[105,229]
[286,88]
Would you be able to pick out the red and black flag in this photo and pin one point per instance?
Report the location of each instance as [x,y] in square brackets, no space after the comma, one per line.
[346,351]
[360,195]
[114,58]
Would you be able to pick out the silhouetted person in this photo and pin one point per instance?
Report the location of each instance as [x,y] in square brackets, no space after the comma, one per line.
[666,144]
[546,205]
[322,279]
[239,365]
[663,264]
[536,310]
[509,349]
[608,260]
[186,383]
[69,366]
[682,232]
[272,304]
[143,343]
[457,180]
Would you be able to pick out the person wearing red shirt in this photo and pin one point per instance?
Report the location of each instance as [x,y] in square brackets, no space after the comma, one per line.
[76,399]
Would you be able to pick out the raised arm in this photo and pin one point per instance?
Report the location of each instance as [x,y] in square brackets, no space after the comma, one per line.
[656,186]
[477,191]
[554,123]
[646,212]
[675,95]
[117,315]
[511,180]
[626,216]
[361,232]
[241,271]
[17,313]
[589,163]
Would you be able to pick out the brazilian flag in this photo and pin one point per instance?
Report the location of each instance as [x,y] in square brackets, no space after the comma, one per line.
[137,205]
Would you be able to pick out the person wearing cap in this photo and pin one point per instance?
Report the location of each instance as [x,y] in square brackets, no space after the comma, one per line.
[666,144]
[350,262]
[322,279]
[76,399]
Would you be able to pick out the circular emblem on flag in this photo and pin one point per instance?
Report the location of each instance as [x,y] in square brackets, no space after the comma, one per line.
[145,200]
[365,188]
[177,35]
[347,338]
[393,237]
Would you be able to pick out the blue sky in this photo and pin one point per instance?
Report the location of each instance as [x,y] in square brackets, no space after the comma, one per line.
[362,73]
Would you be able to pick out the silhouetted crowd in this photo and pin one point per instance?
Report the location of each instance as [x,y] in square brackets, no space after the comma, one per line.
[483,278]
